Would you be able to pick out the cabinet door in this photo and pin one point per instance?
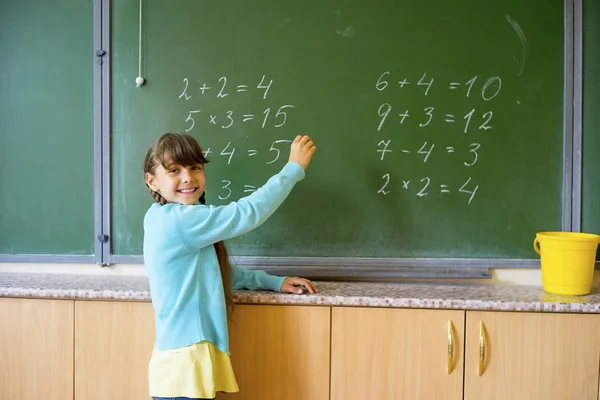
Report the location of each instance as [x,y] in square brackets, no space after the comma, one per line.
[36,349]
[381,353]
[113,345]
[280,352]
[532,356]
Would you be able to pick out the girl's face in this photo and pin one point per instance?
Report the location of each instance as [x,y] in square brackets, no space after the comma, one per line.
[178,183]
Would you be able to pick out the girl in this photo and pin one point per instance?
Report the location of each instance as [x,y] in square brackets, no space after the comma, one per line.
[188,267]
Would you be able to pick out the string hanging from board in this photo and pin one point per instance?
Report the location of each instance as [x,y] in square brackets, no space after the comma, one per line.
[139,81]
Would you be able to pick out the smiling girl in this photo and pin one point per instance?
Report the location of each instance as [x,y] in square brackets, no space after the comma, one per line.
[188,265]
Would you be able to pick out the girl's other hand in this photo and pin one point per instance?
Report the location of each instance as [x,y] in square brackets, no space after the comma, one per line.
[296,285]
[303,148]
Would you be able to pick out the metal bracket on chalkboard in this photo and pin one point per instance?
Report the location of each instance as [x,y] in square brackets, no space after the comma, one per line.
[102,238]
[99,54]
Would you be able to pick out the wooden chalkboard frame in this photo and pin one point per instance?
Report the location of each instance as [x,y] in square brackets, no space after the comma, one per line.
[338,267]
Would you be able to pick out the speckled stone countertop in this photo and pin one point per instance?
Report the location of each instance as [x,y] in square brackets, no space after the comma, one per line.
[407,295]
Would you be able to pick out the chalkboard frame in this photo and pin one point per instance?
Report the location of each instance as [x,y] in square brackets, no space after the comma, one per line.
[577,162]
[338,266]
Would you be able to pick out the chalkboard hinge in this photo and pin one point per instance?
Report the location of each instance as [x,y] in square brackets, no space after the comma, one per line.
[102,238]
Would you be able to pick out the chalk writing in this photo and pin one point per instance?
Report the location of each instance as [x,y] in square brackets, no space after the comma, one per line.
[427,153]
[396,127]
[463,189]
[223,80]
[229,151]
[428,118]
[385,144]
[190,118]
[223,86]
[276,150]
[383,112]
[227,189]
[261,85]
[226,121]
[473,149]
[426,150]
[184,94]
[386,177]
[429,113]
[423,82]
[423,192]
[424,185]
[489,90]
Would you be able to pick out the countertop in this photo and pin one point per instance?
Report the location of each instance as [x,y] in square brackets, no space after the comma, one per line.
[398,294]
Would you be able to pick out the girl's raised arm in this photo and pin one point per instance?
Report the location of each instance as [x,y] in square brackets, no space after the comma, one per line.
[201,226]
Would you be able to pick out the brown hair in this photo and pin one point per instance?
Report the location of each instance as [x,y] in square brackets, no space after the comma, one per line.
[183,149]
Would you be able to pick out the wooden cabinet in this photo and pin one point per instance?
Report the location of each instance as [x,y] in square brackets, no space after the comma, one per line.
[396,354]
[280,352]
[532,356]
[400,353]
[113,345]
[36,349]
[88,350]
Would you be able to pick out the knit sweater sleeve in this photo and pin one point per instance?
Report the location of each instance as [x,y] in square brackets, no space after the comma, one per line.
[201,225]
[242,278]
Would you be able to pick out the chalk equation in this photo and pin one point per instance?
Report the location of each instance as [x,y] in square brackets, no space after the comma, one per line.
[267,118]
[384,147]
[223,88]
[424,186]
[226,191]
[490,88]
[482,119]
[229,150]
[470,121]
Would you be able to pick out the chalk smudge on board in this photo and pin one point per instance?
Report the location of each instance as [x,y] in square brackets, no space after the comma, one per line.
[348,32]
[524,43]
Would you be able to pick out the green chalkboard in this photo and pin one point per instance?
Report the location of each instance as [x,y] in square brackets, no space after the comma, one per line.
[46,127]
[438,123]
[590,208]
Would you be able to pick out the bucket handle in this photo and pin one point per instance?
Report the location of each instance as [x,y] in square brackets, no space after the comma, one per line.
[536,246]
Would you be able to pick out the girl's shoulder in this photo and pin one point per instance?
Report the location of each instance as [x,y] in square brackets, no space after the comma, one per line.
[170,209]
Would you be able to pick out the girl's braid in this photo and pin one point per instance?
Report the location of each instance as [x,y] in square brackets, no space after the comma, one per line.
[157,197]
[225,266]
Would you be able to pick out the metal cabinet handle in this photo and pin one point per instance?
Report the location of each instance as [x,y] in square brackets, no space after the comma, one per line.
[482,348]
[450,346]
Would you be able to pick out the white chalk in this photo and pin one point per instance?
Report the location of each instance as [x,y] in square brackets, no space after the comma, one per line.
[139,81]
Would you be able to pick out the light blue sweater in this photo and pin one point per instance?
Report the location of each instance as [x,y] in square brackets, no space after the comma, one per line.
[183,270]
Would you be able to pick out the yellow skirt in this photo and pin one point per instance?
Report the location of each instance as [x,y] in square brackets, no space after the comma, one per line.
[199,370]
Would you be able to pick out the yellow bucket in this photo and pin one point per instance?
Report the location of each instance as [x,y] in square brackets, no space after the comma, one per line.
[567,260]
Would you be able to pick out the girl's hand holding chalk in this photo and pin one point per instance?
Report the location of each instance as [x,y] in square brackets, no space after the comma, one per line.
[303,148]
